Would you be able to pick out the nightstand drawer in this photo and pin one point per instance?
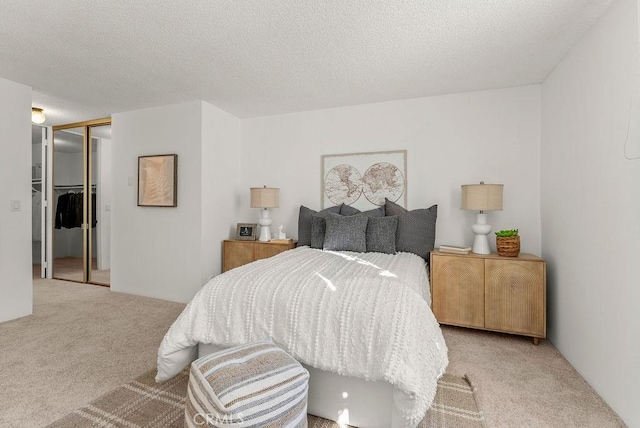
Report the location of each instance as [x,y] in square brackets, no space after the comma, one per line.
[236,253]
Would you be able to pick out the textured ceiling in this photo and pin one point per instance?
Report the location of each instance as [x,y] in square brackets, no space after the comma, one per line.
[88,59]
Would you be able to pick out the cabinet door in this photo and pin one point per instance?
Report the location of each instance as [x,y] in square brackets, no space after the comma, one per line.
[264,251]
[515,296]
[237,253]
[458,290]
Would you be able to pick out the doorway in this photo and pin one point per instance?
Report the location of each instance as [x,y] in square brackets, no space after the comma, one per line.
[38,201]
[81,202]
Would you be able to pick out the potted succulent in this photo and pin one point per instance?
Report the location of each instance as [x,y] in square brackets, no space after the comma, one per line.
[508,243]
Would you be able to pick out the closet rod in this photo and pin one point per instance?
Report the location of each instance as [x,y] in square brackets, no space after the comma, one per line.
[71,186]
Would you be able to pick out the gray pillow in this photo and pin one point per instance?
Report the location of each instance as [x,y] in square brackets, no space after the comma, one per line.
[416,229]
[381,234]
[318,228]
[376,212]
[349,210]
[304,222]
[346,233]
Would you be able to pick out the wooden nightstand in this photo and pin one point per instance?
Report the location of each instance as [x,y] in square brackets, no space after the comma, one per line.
[237,253]
[490,292]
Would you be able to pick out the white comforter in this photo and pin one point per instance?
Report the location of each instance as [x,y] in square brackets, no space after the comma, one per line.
[358,314]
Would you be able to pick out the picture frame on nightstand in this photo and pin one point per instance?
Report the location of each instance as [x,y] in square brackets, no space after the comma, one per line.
[246,231]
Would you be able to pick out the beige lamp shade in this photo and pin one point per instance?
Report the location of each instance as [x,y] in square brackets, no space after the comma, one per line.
[482,197]
[265,197]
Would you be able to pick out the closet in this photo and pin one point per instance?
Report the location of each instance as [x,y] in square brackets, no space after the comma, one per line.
[80,202]
[38,135]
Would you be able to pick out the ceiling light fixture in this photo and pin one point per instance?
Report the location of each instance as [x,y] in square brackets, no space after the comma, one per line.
[37,116]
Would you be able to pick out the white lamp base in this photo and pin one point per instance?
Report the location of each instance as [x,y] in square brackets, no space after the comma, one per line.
[265,222]
[481,229]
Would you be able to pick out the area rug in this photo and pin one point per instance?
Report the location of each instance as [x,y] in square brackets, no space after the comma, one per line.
[143,403]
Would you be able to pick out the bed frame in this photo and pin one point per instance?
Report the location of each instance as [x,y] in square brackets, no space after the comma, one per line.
[345,399]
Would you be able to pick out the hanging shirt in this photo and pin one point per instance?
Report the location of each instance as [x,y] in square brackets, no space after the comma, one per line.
[69,211]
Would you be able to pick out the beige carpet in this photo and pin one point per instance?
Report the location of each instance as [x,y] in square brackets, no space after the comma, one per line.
[521,385]
[81,342]
[84,341]
[144,403]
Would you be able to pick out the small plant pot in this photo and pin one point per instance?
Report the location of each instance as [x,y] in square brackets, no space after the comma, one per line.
[508,246]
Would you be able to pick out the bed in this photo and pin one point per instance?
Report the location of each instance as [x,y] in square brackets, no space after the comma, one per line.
[361,323]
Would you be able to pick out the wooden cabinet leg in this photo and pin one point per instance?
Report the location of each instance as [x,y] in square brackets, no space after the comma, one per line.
[535,341]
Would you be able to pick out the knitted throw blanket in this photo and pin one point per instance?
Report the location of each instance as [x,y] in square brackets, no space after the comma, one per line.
[358,314]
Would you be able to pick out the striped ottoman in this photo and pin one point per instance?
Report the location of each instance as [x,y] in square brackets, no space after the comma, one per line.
[252,385]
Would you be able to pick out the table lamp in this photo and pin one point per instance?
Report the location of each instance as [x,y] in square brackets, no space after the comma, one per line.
[481,197]
[265,198]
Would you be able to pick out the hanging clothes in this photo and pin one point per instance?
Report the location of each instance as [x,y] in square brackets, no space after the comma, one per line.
[94,218]
[75,209]
[62,211]
[69,211]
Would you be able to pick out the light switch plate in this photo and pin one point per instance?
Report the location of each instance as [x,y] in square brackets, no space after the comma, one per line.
[15,206]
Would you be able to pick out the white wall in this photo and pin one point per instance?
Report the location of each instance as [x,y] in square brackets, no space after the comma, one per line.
[591,208]
[169,253]
[491,136]
[68,168]
[221,161]
[36,155]
[16,285]
[156,251]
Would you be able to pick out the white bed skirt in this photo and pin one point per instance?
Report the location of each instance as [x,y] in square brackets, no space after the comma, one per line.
[345,399]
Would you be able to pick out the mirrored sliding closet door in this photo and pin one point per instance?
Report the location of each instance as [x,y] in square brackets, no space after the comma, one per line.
[81,202]
[100,208]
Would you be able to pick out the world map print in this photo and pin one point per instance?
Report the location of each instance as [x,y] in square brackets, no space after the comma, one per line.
[364,180]
[343,184]
[382,180]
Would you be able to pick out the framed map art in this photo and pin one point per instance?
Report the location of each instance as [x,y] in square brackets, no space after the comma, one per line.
[364,180]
